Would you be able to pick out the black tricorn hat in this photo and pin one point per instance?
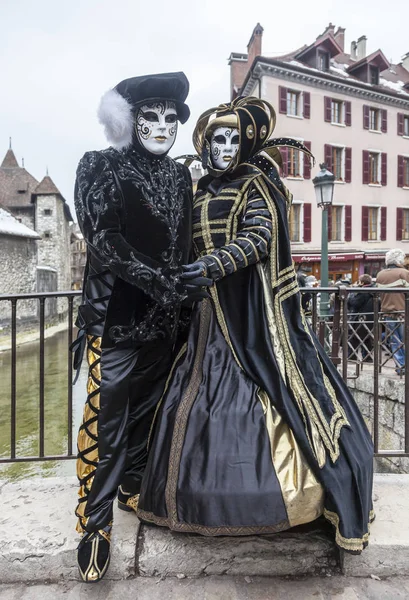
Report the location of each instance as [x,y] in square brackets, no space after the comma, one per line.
[117,107]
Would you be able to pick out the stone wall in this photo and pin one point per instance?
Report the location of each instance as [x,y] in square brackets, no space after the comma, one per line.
[54,247]
[391,415]
[18,262]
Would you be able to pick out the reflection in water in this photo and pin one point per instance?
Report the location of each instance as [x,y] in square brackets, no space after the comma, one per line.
[55,408]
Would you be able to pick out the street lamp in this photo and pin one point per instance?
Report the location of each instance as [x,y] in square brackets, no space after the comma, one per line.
[324,193]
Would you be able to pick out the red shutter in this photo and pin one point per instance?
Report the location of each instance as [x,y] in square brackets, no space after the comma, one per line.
[329,211]
[348,114]
[364,224]
[401,167]
[384,169]
[307,162]
[399,224]
[384,123]
[328,156]
[365,166]
[366,117]
[383,223]
[284,156]
[348,165]
[307,105]
[348,223]
[307,222]
[327,109]
[283,99]
[401,118]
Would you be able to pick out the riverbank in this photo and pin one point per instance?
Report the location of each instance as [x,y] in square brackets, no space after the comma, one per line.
[32,335]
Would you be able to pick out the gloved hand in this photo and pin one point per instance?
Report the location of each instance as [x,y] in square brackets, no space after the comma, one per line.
[194,279]
[194,274]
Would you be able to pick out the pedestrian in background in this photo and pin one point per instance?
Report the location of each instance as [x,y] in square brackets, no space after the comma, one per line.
[393,305]
[360,307]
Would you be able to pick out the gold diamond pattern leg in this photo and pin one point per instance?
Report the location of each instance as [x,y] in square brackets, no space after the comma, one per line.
[87,460]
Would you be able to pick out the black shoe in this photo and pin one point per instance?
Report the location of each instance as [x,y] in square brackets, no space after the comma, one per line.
[127,501]
[94,552]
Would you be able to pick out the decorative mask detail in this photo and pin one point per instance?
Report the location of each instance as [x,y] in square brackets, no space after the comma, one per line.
[250,132]
[156,126]
[224,146]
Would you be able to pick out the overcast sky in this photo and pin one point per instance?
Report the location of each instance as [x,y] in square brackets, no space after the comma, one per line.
[58,57]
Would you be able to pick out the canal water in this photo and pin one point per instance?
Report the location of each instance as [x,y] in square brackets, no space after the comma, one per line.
[56,412]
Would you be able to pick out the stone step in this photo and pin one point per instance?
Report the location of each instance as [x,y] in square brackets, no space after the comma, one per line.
[307,550]
[38,541]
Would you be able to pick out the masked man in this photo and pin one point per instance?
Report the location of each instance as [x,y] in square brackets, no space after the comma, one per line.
[133,204]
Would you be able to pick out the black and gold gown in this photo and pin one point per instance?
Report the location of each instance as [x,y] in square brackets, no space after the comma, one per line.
[256,431]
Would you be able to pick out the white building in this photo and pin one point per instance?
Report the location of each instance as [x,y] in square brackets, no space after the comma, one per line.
[352,110]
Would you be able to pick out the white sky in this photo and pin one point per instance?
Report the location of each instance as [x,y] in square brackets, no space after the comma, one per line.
[58,57]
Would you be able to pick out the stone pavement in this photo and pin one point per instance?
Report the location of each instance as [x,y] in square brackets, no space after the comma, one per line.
[38,542]
[216,588]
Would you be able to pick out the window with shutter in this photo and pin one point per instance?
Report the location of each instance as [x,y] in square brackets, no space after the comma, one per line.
[373,223]
[336,223]
[283,99]
[307,162]
[294,163]
[327,109]
[329,228]
[328,156]
[338,163]
[405,223]
[307,222]
[337,112]
[348,165]
[399,224]
[295,223]
[405,168]
[400,171]
[293,103]
[375,120]
[406,125]
[284,156]
[401,117]
[383,223]
[364,224]
[307,105]
[384,168]
[348,223]
[366,117]
[384,121]
[348,114]
[365,166]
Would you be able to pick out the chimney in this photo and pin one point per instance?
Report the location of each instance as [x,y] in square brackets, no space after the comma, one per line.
[254,45]
[405,61]
[339,36]
[353,50]
[361,47]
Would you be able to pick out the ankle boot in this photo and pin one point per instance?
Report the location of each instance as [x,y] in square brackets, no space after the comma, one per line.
[127,501]
[94,551]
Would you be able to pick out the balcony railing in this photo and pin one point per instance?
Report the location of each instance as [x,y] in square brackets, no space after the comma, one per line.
[357,343]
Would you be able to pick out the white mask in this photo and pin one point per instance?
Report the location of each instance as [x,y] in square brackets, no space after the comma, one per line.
[156,126]
[224,146]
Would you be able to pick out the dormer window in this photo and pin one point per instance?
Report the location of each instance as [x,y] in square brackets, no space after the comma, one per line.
[374,75]
[323,61]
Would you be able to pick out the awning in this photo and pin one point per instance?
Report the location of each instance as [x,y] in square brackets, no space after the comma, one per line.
[299,258]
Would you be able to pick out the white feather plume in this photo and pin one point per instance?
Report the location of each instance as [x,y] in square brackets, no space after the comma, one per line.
[115,114]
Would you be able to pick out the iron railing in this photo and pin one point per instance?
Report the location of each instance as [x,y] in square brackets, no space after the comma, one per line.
[354,341]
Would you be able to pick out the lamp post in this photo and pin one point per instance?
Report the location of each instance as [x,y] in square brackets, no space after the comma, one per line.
[324,193]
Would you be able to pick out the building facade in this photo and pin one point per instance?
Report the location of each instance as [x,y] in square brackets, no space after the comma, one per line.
[38,207]
[352,111]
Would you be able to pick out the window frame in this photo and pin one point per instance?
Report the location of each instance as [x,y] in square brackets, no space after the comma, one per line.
[378,119]
[405,171]
[378,223]
[291,153]
[298,96]
[374,153]
[335,148]
[405,125]
[300,206]
[405,210]
[341,105]
[374,70]
[341,224]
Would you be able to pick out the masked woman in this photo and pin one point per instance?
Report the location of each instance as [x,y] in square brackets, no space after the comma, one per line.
[256,431]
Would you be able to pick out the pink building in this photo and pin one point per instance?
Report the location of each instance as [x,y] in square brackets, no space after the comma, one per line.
[352,110]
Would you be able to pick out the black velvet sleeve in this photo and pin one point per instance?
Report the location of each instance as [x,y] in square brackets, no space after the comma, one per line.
[251,245]
[98,205]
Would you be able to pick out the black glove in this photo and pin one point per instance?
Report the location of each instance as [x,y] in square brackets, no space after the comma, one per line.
[195,275]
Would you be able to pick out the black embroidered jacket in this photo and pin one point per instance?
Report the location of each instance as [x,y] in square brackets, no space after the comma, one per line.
[134,211]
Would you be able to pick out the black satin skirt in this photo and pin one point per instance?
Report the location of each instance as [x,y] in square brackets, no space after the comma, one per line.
[229,451]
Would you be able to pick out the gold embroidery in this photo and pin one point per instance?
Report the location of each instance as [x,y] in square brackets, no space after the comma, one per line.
[351,544]
[230,257]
